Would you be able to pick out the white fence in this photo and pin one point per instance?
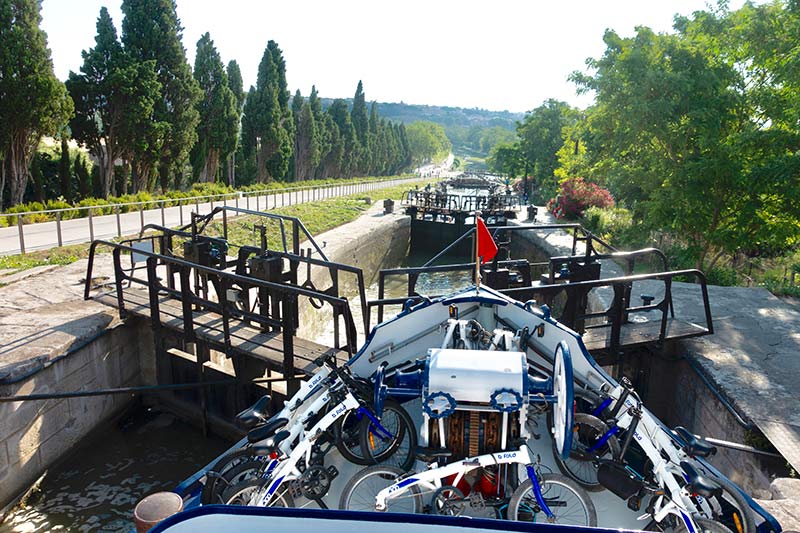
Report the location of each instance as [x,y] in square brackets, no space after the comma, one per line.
[21,237]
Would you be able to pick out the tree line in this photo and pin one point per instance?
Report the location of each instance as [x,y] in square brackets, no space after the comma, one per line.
[150,120]
[696,132]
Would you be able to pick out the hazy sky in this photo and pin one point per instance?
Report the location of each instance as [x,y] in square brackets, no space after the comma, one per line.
[493,54]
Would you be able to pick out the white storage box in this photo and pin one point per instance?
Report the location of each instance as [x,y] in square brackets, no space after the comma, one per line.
[475,375]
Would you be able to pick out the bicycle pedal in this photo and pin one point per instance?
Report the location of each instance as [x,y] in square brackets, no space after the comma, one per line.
[332,471]
[634,503]
[295,489]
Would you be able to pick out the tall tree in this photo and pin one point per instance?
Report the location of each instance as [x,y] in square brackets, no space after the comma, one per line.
[307,147]
[64,165]
[216,131]
[360,120]
[33,102]
[112,94]
[151,30]
[237,88]
[267,126]
[540,138]
[341,117]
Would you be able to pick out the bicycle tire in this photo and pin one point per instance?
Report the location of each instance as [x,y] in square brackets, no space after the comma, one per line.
[585,402]
[400,451]
[214,485]
[371,481]
[581,467]
[522,506]
[347,437]
[704,525]
[240,494]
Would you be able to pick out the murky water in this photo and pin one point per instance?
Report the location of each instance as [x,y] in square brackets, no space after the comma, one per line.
[98,485]
[433,284]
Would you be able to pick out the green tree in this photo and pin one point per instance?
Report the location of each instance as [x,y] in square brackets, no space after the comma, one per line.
[64,167]
[237,88]
[506,159]
[540,138]
[33,102]
[347,136]
[307,149]
[84,177]
[217,129]
[267,126]
[151,30]
[427,142]
[679,131]
[112,94]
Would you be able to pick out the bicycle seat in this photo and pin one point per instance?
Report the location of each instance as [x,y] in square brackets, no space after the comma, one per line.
[271,444]
[430,454]
[254,414]
[267,430]
[700,485]
[696,447]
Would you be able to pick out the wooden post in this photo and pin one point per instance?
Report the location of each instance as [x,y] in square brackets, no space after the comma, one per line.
[58,228]
[21,235]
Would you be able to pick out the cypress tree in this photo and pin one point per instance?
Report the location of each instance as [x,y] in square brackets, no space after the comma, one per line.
[237,88]
[358,115]
[33,102]
[307,148]
[64,165]
[216,131]
[267,125]
[114,99]
[151,30]
[338,112]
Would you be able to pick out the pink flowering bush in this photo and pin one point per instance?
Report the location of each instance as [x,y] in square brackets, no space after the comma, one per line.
[575,195]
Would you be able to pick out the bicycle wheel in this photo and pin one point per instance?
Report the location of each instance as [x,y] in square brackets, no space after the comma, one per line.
[359,493]
[398,450]
[582,463]
[243,493]
[448,501]
[704,525]
[730,509]
[227,471]
[347,436]
[569,503]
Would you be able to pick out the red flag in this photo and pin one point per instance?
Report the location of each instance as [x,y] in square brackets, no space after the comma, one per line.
[487,249]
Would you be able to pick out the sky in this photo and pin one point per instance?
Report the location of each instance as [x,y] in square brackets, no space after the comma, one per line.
[497,54]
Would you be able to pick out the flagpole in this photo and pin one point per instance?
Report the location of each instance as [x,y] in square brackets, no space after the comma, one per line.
[477,258]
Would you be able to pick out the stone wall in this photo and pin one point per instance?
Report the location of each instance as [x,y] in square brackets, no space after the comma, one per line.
[683,398]
[35,434]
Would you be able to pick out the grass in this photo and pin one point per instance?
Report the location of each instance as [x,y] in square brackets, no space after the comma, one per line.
[318,217]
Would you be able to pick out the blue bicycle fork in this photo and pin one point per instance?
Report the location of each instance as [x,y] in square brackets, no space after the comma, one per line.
[537,492]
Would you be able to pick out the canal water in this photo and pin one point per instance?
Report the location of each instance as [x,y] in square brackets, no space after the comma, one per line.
[96,488]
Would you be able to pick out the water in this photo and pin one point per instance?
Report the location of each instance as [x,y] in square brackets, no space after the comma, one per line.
[432,284]
[98,485]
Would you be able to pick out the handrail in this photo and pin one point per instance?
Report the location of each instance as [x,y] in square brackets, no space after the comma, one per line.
[617,312]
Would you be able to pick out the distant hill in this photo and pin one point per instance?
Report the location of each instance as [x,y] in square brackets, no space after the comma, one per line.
[472,132]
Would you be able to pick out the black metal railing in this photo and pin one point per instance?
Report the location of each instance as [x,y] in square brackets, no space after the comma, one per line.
[574,316]
[276,309]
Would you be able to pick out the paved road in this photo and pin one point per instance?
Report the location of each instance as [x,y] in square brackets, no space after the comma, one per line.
[45,234]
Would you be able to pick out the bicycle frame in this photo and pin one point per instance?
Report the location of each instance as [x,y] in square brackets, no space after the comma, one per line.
[654,439]
[286,469]
[432,479]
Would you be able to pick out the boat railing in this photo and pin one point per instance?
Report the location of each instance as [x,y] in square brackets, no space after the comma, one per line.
[613,318]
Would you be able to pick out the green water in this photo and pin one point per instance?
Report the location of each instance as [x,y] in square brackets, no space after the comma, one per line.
[98,485]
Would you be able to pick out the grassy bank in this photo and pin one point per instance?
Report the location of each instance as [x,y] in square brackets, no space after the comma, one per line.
[318,217]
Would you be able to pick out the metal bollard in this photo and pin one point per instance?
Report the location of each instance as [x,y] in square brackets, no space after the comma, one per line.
[154,508]
[21,235]
[119,225]
[58,228]
[91,226]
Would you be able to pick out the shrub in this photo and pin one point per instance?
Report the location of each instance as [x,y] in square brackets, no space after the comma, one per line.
[102,207]
[575,195]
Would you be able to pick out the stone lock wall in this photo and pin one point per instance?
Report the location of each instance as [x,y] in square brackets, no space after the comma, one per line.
[35,434]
